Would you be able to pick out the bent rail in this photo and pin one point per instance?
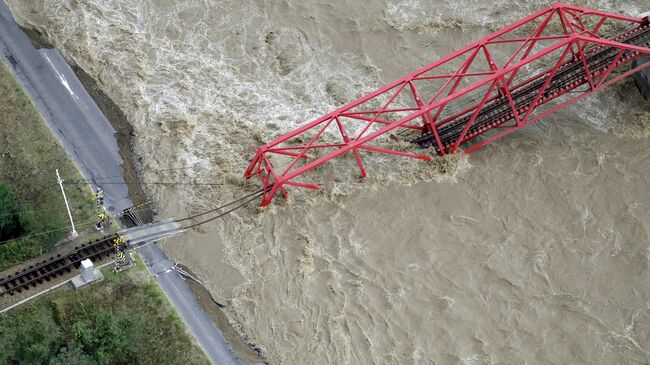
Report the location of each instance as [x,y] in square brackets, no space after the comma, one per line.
[490,88]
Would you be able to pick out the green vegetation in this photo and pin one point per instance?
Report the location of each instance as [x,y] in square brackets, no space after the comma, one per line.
[30,200]
[123,320]
[11,223]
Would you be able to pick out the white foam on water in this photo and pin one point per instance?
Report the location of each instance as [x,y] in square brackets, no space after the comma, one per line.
[534,250]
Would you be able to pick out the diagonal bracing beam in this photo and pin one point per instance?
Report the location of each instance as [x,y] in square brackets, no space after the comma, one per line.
[519,74]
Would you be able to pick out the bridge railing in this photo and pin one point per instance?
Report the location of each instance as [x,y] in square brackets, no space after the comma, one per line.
[454,99]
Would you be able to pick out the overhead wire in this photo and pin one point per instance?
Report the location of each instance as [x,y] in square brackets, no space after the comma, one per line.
[100,182]
[24,211]
[46,232]
[254,195]
[158,170]
[246,200]
[172,183]
[224,213]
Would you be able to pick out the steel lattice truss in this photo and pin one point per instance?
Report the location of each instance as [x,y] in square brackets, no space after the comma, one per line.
[490,88]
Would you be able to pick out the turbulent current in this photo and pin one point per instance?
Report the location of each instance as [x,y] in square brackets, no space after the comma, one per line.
[532,250]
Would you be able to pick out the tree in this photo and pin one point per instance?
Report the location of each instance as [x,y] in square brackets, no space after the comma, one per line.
[10,222]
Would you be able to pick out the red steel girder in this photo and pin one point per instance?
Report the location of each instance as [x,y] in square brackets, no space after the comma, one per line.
[507,75]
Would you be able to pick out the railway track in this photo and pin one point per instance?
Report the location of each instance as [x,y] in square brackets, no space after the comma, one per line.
[571,75]
[56,266]
[62,264]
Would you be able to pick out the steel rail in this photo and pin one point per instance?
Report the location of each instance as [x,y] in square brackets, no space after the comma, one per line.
[571,72]
[492,93]
[55,266]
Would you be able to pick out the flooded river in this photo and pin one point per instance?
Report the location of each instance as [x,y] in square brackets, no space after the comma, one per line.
[532,250]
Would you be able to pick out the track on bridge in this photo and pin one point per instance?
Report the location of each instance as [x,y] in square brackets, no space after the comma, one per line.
[570,76]
[474,96]
[464,101]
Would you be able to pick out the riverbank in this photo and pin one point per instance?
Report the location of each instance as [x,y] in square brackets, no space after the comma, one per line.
[29,155]
[126,318]
[139,195]
[535,254]
[246,351]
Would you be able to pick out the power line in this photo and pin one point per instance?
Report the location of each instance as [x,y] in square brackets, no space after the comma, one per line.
[224,213]
[159,170]
[169,183]
[38,191]
[255,195]
[45,232]
[247,199]
[100,182]
[22,211]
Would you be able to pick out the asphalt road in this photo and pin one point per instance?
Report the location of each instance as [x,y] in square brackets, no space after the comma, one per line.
[70,112]
[89,139]
[212,341]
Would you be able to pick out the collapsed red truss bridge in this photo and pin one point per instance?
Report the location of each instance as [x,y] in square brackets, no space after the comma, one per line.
[471,97]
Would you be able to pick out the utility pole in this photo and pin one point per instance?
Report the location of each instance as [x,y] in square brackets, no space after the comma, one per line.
[60,181]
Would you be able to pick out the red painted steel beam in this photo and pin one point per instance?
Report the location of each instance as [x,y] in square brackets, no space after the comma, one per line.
[428,100]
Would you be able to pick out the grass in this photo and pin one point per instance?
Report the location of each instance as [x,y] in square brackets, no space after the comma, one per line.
[125,319]
[29,155]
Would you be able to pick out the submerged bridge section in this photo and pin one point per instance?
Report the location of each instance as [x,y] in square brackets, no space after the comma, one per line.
[472,97]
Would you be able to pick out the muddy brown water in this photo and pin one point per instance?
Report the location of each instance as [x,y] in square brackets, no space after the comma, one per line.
[532,250]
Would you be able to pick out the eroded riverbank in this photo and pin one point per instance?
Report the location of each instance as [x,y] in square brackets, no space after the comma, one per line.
[536,253]
[124,134]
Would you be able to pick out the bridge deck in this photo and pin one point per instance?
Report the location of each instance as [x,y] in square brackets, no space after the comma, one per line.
[570,76]
[151,232]
[490,88]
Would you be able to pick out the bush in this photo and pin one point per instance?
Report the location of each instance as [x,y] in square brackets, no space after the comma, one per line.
[10,224]
[114,322]
[20,220]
